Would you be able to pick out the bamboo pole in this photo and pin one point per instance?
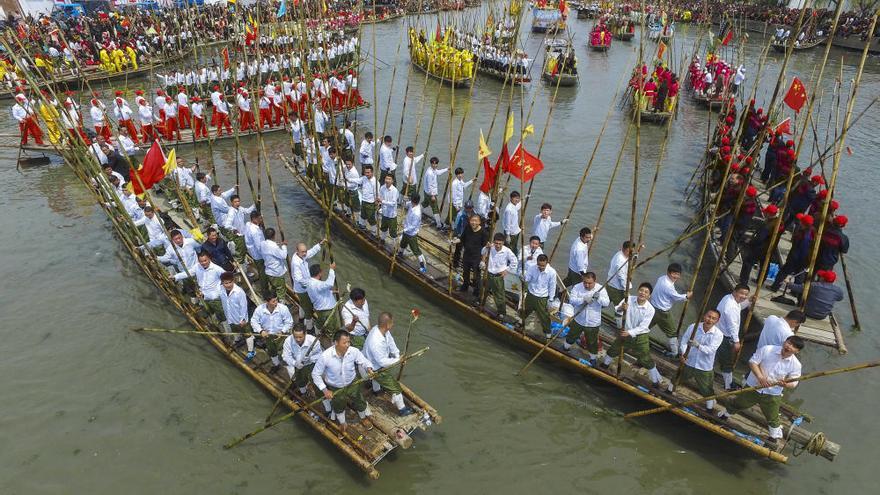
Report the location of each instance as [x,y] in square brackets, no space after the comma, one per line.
[731,393]
[414,316]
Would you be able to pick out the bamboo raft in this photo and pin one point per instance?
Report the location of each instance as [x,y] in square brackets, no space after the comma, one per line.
[747,429]
[365,448]
[824,332]
[464,82]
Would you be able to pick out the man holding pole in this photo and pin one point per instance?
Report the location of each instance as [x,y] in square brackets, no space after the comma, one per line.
[335,370]
[588,298]
[382,351]
[300,352]
[730,309]
[770,366]
[698,355]
[663,297]
[634,332]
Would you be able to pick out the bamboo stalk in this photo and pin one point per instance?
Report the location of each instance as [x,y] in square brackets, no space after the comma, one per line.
[415,316]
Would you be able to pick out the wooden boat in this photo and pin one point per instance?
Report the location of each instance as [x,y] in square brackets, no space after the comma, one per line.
[650,116]
[824,332]
[365,448]
[588,11]
[746,429]
[547,20]
[658,32]
[782,46]
[511,78]
[557,50]
[464,82]
[711,101]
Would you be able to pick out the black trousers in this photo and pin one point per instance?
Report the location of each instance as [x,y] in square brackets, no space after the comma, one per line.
[471,267]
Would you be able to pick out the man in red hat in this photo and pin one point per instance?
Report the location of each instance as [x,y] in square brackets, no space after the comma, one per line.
[754,251]
[265,105]
[146,117]
[171,127]
[99,120]
[123,114]
[215,99]
[183,115]
[823,294]
[198,118]
[799,255]
[245,113]
[159,103]
[834,243]
[26,115]
[221,110]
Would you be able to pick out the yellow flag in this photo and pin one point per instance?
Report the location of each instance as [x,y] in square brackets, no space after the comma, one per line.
[170,162]
[197,234]
[508,131]
[528,131]
[484,148]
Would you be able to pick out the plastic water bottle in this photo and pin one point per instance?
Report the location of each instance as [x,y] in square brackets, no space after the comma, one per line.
[772,272]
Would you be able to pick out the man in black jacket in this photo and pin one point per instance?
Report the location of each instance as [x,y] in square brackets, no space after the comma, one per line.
[473,239]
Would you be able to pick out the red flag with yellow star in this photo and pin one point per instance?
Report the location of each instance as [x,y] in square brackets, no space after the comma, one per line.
[524,165]
[796,96]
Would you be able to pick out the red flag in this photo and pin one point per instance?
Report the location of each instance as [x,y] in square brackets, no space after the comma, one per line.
[727,37]
[225,53]
[488,176]
[437,35]
[784,127]
[151,171]
[796,96]
[524,165]
[563,8]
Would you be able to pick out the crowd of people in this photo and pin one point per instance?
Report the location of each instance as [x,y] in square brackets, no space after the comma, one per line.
[492,52]
[657,93]
[716,78]
[440,57]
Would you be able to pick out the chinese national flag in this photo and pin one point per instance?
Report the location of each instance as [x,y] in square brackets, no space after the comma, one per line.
[151,171]
[727,37]
[524,165]
[796,96]
[784,127]
[225,53]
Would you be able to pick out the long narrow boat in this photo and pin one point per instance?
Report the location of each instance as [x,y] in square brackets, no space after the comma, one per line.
[556,52]
[464,82]
[782,46]
[503,75]
[824,332]
[364,447]
[746,429]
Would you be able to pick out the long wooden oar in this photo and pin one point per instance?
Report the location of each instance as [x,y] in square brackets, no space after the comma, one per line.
[809,376]
[315,402]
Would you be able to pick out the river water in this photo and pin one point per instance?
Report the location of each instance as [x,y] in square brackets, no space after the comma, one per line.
[90,406]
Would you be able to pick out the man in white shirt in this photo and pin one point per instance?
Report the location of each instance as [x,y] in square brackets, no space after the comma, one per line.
[275,263]
[541,287]
[663,298]
[499,261]
[234,223]
[412,223]
[300,352]
[698,349]
[253,242]
[730,308]
[588,299]
[235,306]
[410,175]
[387,165]
[207,276]
[156,238]
[25,114]
[543,223]
[181,255]
[579,257]
[777,329]
[356,316]
[366,150]
[323,298]
[431,190]
[272,321]
[388,197]
[352,180]
[771,367]
[617,273]
[457,193]
[299,269]
[334,371]
[367,190]
[510,220]
[634,316]
[382,352]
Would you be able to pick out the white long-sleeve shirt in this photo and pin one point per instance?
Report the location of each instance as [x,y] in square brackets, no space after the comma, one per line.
[203,192]
[386,159]
[617,271]
[352,178]
[429,182]
[155,231]
[500,260]
[366,152]
[209,280]
[541,226]
[237,217]
[510,219]
[541,284]
[338,371]
[409,168]
[775,331]
[274,258]
[321,292]
[413,220]
[775,368]
[579,256]
[702,353]
[187,255]
[731,311]
[349,311]
[664,294]
[234,305]
[297,356]
[367,188]
[638,317]
[380,349]
[273,322]
[299,267]
[253,240]
[595,299]
[458,187]
[529,258]
[389,196]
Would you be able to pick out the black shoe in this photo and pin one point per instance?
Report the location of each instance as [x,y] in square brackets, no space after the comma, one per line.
[406,411]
